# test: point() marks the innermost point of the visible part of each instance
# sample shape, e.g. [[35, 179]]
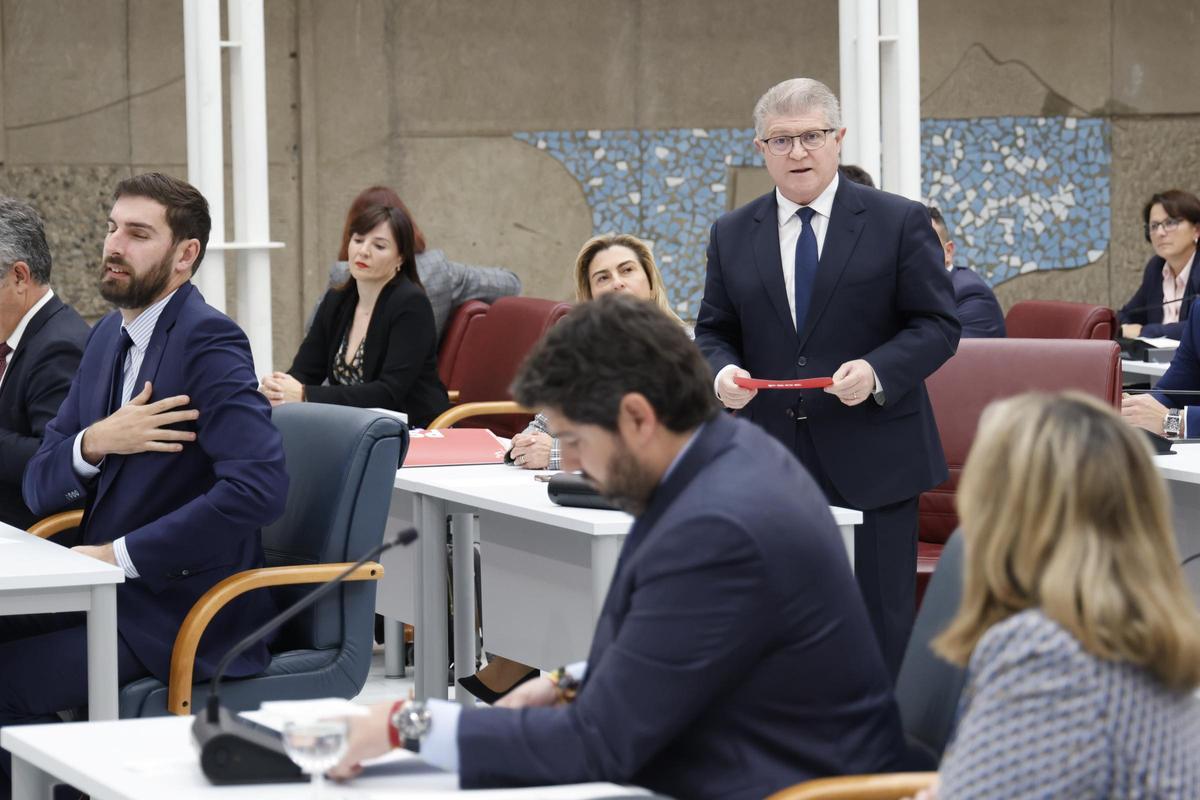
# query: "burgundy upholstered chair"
[[1057, 319]]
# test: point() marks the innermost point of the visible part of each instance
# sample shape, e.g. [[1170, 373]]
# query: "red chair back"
[[461, 319], [1057, 319]]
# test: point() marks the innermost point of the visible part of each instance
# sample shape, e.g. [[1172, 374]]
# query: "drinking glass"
[[316, 745]]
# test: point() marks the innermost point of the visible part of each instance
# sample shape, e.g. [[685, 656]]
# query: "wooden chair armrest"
[[450, 416], [453, 394], [56, 523], [859, 787], [183, 654]]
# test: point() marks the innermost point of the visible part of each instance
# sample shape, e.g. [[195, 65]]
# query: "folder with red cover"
[[453, 447]]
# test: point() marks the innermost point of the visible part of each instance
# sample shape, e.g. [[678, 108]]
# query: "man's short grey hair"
[[794, 97], [23, 238]]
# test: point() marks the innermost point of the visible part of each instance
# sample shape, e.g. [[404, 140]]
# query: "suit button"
[[791, 413], [185, 572], [801, 361]]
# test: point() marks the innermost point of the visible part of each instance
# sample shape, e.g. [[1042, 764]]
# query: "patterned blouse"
[[348, 374], [1043, 718]]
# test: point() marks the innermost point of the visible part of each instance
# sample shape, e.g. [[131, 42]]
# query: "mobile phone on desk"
[[543, 477]]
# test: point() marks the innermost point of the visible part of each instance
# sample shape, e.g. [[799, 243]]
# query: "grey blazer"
[[447, 283]]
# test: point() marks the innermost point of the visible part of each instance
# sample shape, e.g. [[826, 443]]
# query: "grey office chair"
[[342, 464]]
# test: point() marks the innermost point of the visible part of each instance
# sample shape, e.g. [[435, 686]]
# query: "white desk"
[[40, 577], [1182, 472], [546, 568], [1141, 370], [152, 759]]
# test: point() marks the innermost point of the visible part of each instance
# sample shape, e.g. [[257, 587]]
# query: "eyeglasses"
[[809, 140], [1168, 225]]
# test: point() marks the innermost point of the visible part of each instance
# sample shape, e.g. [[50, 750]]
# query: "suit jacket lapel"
[[31, 330], [846, 222], [766, 258], [148, 372]]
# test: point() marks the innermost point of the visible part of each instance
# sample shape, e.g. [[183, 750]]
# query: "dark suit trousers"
[[43, 670], [885, 558]]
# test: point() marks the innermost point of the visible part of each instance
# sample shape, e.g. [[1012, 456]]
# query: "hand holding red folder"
[[801, 383]]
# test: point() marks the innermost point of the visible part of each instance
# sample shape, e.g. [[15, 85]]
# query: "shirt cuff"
[[717, 380], [123, 560], [877, 392], [577, 670], [82, 468], [555, 457], [439, 748]]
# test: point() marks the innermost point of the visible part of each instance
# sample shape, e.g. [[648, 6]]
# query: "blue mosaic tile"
[[1021, 193]]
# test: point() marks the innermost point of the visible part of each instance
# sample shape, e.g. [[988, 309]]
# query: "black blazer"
[[399, 354], [1145, 307], [35, 383], [978, 310], [732, 657], [882, 294]]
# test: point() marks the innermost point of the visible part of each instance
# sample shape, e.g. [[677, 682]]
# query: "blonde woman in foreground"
[[1081, 639]]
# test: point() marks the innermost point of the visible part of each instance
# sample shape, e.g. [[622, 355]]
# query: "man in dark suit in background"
[[823, 277], [41, 341], [732, 656], [167, 440], [978, 309]]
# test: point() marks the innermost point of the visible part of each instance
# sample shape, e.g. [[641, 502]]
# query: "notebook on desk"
[[452, 447]]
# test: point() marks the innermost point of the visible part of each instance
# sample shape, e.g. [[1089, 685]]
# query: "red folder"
[[453, 447], [802, 383]]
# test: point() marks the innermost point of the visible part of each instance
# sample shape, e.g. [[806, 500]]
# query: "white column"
[[866, 101], [251, 192], [205, 134], [900, 78], [848, 78]]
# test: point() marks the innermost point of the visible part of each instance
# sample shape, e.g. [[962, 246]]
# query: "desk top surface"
[[1182, 466], [27, 562], [1158, 368], [508, 490], [149, 759]]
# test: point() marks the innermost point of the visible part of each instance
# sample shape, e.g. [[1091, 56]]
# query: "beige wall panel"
[[703, 65], [1149, 155], [283, 134], [157, 103], [981, 87], [1065, 45], [65, 83], [1088, 284], [461, 67], [1153, 46]]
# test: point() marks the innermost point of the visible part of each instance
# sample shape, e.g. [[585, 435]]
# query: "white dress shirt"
[[15, 338], [140, 330]]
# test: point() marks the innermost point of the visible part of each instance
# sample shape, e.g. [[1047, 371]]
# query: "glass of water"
[[316, 745]]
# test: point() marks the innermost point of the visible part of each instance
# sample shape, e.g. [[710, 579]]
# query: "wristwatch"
[[1172, 423], [565, 684], [408, 723]]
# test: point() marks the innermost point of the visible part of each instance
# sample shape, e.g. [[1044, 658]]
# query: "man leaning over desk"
[[1175, 416], [733, 655]]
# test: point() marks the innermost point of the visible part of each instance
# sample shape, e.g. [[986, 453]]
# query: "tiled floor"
[[379, 688]]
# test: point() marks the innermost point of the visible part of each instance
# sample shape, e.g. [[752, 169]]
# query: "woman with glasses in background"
[[1169, 282]]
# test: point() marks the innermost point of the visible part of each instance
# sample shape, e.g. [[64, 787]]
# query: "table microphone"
[[234, 751]]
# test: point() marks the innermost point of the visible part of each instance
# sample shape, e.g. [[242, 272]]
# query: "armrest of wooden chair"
[[56, 523], [183, 655], [451, 416], [892, 786]]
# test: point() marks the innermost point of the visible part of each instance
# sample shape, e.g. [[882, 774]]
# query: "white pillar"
[[251, 192], [900, 77], [866, 101], [848, 78], [205, 134]]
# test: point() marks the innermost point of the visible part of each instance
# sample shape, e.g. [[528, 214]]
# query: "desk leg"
[[30, 782], [462, 537], [431, 658], [393, 648], [102, 653], [847, 532]]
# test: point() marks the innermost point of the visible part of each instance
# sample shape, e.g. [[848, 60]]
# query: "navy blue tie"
[[806, 266], [117, 387]]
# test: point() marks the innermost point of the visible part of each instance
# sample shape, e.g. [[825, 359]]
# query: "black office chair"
[[342, 464]]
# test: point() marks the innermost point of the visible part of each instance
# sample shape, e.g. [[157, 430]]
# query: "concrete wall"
[[428, 96]]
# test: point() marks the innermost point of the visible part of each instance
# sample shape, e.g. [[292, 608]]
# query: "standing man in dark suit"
[[978, 309], [823, 277], [41, 341], [166, 439], [732, 656]]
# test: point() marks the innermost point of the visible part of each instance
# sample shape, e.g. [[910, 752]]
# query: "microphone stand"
[[234, 751]]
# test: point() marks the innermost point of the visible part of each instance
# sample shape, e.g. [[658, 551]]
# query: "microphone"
[[233, 750], [1188, 297]]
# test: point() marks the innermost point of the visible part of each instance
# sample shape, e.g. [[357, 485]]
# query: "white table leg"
[[847, 532], [462, 538], [30, 782], [431, 658], [102, 653], [393, 648]]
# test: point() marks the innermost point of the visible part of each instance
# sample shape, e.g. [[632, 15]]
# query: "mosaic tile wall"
[[1022, 193]]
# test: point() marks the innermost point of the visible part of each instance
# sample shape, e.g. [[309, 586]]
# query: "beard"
[[629, 485], [140, 290]]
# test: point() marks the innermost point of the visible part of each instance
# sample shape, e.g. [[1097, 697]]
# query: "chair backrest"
[[341, 462], [984, 370], [1057, 319], [928, 688], [492, 350], [461, 319]]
